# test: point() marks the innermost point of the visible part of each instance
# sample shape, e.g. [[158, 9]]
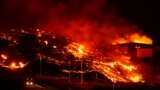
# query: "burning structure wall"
[[138, 50]]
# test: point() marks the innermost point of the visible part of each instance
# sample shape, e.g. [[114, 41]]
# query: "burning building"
[[136, 45], [138, 51]]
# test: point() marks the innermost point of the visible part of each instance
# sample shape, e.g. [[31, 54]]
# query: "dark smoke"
[[94, 22], [87, 21]]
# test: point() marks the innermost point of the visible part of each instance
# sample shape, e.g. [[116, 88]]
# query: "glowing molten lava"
[[88, 23], [78, 50], [3, 56], [15, 66], [136, 38], [120, 70]]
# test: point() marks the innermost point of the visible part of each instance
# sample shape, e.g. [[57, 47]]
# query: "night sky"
[[145, 13], [18, 14]]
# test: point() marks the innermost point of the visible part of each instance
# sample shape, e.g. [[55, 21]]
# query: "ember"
[[78, 50]]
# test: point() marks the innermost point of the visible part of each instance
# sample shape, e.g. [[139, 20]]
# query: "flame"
[[78, 50], [136, 38], [15, 65], [22, 65], [46, 42], [3, 56], [135, 77]]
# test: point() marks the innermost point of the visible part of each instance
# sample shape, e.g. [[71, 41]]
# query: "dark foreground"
[[18, 83]]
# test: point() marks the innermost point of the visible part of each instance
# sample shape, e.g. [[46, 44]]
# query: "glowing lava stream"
[[120, 69], [78, 50], [117, 71]]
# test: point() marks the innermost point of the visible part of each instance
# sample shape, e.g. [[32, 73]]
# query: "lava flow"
[[118, 69], [78, 50], [15, 66]]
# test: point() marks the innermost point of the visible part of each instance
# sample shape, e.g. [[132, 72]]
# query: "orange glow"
[[21, 65], [135, 77], [120, 41], [136, 38], [13, 65], [54, 46], [39, 34], [4, 56], [46, 42], [78, 50], [119, 70], [100, 31], [137, 47]]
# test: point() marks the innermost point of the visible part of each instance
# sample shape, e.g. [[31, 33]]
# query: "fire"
[[78, 50], [46, 42], [135, 77], [140, 39], [21, 64], [136, 38], [15, 65], [4, 56], [118, 70], [80, 21]]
